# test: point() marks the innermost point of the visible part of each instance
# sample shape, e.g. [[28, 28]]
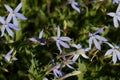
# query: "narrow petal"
[[58, 31], [58, 46], [118, 8], [9, 18], [13, 26], [8, 8], [98, 31], [115, 22], [118, 54], [74, 7], [65, 38], [33, 39], [55, 73], [40, 34], [14, 58], [55, 38], [9, 32], [10, 52], [114, 58], [15, 22], [97, 44], [109, 52], [109, 44], [64, 44], [2, 20], [69, 66], [85, 56], [90, 42], [112, 14], [75, 57], [18, 7], [20, 16], [3, 30], [76, 46], [100, 38]]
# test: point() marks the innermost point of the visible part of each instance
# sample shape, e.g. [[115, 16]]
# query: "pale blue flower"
[[60, 40], [94, 38], [116, 1], [74, 5], [56, 71], [39, 39], [80, 51], [6, 25], [114, 51], [8, 56], [45, 78], [14, 13], [116, 16]]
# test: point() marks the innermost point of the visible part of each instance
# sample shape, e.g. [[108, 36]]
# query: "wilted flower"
[[39, 39], [116, 1], [14, 13], [7, 25], [116, 16], [60, 40], [94, 37], [80, 51], [114, 51], [74, 5], [8, 56]]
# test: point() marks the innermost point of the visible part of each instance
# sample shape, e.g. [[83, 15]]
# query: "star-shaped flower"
[[8, 56], [80, 51], [116, 1], [74, 5], [39, 39], [114, 51], [116, 16], [14, 13], [94, 37], [60, 40], [6, 25]]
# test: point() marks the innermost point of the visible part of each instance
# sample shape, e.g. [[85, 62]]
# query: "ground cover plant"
[[59, 40]]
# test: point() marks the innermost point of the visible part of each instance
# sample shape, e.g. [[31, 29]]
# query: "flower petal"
[[21, 16], [118, 54], [85, 56], [118, 9], [8, 8], [15, 22], [3, 30], [74, 7], [90, 43], [58, 46], [33, 39], [114, 58], [110, 51], [2, 20], [65, 38], [64, 44], [58, 31], [112, 14], [9, 32], [40, 34], [98, 31], [100, 38], [18, 7], [9, 18], [75, 57], [115, 22], [13, 26], [97, 44]]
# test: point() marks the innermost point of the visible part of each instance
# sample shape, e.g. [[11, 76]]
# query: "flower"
[[8, 56], [14, 13], [7, 25], [94, 37], [116, 16], [114, 51], [116, 1], [80, 51], [74, 5], [39, 39], [56, 71], [60, 40]]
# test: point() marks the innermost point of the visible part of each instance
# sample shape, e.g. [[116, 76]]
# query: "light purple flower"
[[114, 51], [6, 25], [94, 38], [116, 1], [8, 56], [14, 13], [60, 40], [116, 16], [56, 71], [39, 39], [80, 51], [74, 5]]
